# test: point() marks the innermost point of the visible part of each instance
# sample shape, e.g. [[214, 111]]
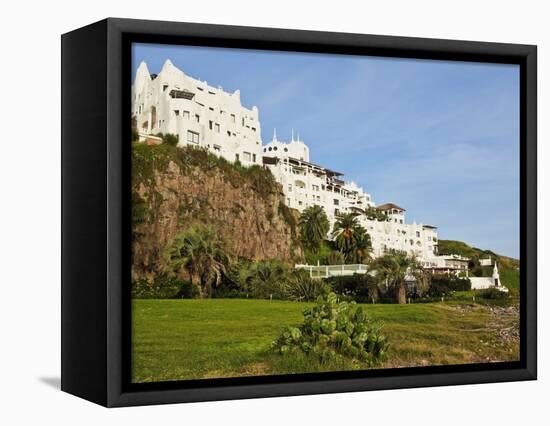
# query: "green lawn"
[[192, 339]]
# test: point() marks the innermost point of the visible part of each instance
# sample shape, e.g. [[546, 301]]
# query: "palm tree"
[[263, 278], [392, 269], [351, 238], [198, 252], [314, 226]]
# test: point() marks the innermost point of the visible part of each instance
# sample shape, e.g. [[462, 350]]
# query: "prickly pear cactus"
[[333, 329]]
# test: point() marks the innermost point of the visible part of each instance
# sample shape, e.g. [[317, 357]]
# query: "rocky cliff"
[[173, 188]]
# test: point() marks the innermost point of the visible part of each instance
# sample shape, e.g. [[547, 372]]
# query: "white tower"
[[496, 275]]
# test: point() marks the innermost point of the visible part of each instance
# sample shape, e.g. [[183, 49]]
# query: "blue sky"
[[439, 138]]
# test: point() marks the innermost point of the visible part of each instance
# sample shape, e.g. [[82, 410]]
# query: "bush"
[[334, 330], [492, 293], [335, 258], [163, 287], [170, 139], [263, 279], [444, 285], [362, 288], [301, 288]]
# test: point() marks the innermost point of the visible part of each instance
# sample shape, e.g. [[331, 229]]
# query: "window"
[[200, 88], [336, 202], [192, 137], [177, 112], [211, 109], [289, 187], [253, 158], [197, 118], [286, 149], [236, 157], [242, 121], [400, 220], [253, 129], [186, 114], [418, 234], [228, 133], [217, 148], [210, 124], [429, 238], [274, 148], [217, 128], [270, 148], [211, 93], [164, 87], [233, 118], [246, 156]]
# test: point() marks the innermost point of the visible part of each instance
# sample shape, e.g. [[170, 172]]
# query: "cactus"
[[332, 330]]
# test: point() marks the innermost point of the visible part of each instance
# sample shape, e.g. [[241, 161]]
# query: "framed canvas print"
[[253, 212]]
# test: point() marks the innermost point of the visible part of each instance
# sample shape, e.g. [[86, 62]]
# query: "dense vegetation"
[[148, 159]]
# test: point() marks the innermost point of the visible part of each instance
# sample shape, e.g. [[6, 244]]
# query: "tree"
[[372, 213], [392, 269], [264, 278], [351, 238], [198, 252], [314, 226]]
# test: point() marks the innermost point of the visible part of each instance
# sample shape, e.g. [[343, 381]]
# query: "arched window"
[[153, 117]]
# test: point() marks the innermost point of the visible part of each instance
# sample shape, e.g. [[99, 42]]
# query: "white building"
[[417, 240], [199, 114], [306, 184], [205, 116], [481, 283]]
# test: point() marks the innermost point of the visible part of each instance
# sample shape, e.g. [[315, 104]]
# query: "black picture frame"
[[95, 211]]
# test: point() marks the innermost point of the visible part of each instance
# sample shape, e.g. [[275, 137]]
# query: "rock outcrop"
[[174, 188]]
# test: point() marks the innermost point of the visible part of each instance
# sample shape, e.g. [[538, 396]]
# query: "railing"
[[325, 271]]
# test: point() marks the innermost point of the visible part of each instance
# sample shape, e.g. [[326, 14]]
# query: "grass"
[[194, 339]]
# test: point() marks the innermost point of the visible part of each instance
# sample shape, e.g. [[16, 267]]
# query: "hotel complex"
[[206, 116], [199, 114]]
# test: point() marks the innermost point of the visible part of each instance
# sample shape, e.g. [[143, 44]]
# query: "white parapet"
[[326, 271]]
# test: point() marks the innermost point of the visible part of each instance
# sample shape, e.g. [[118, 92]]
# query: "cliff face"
[[174, 188]]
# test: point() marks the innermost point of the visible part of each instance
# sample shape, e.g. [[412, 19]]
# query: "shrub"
[[333, 330], [492, 293], [301, 288], [442, 285], [140, 209], [263, 279], [135, 135], [163, 287], [335, 258], [359, 287], [170, 139]]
